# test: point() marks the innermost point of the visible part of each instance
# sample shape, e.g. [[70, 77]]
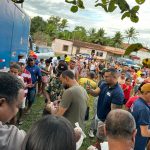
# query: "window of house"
[[93, 52], [65, 48], [99, 54]]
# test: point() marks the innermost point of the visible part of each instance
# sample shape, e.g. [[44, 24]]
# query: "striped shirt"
[[27, 79]]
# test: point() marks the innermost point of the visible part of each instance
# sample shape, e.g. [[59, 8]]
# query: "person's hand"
[[48, 107], [101, 130], [88, 88], [78, 133], [92, 148], [56, 102]]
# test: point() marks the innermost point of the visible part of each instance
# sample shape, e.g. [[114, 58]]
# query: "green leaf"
[[133, 48], [104, 2], [126, 14], [80, 4], [72, 2], [140, 1], [123, 5], [135, 9], [102, 5], [112, 6], [74, 8], [134, 18]]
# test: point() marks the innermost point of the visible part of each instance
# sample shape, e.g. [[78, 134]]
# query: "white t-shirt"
[[140, 80], [92, 67]]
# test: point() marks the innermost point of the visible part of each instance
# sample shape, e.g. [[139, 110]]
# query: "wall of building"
[[142, 55], [58, 45], [82, 50], [88, 51]]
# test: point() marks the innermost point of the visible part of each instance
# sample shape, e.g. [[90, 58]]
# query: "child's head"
[[128, 81], [123, 74], [42, 60], [47, 62], [15, 69], [51, 132]]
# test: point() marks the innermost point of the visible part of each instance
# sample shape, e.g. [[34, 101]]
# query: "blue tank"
[[14, 33]]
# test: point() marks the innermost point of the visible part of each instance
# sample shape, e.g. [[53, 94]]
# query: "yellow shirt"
[[84, 82], [139, 73]]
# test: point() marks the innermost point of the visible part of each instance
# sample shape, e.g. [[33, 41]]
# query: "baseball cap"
[[35, 56], [145, 87], [30, 59], [23, 61], [67, 59], [62, 66]]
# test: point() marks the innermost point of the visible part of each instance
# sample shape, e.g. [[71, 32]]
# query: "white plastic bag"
[[80, 141]]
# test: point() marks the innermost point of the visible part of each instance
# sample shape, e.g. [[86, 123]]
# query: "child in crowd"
[[25, 74], [15, 69], [122, 78], [46, 71], [127, 89]]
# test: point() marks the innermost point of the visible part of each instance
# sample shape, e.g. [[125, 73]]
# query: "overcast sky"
[[92, 17]]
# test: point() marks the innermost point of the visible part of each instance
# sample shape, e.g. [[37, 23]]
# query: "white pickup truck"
[[45, 52]]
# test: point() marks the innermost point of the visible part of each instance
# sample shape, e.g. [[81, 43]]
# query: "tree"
[[131, 34], [37, 24], [63, 24], [79, 33], [91, 33], [66, 35], [42, 37], [110, 6], [59, 23], [55, 27], [99, 37], [117, 39]]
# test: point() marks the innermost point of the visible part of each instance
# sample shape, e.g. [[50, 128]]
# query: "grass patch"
[[36, 114]]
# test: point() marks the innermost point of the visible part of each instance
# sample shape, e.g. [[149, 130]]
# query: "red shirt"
[[27, 78], [127, 90], [131, 101]]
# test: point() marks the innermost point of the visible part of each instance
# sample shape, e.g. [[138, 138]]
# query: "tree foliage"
[[131, 34], [133, 48], [110, 5], [56, 27]]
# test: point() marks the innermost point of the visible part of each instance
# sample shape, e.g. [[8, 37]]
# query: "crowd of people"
[[72, 88]]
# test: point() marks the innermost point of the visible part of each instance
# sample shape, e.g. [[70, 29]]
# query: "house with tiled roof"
[[76, 47]]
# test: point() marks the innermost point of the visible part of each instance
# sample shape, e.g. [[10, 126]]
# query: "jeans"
[[31, 96], [94, 122]]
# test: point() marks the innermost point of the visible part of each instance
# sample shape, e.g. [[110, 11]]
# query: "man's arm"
[[95, 92], [77, 76], [144, 121], [39, 74], [60, 111], [145, 131], [55, 109], [114, 106], [117, 100]]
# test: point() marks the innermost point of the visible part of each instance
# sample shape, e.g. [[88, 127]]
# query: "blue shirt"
[[108, 95], [35, 73], [141, 112]]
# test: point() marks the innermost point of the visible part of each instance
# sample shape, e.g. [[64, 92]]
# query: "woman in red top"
[[127, 88]]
